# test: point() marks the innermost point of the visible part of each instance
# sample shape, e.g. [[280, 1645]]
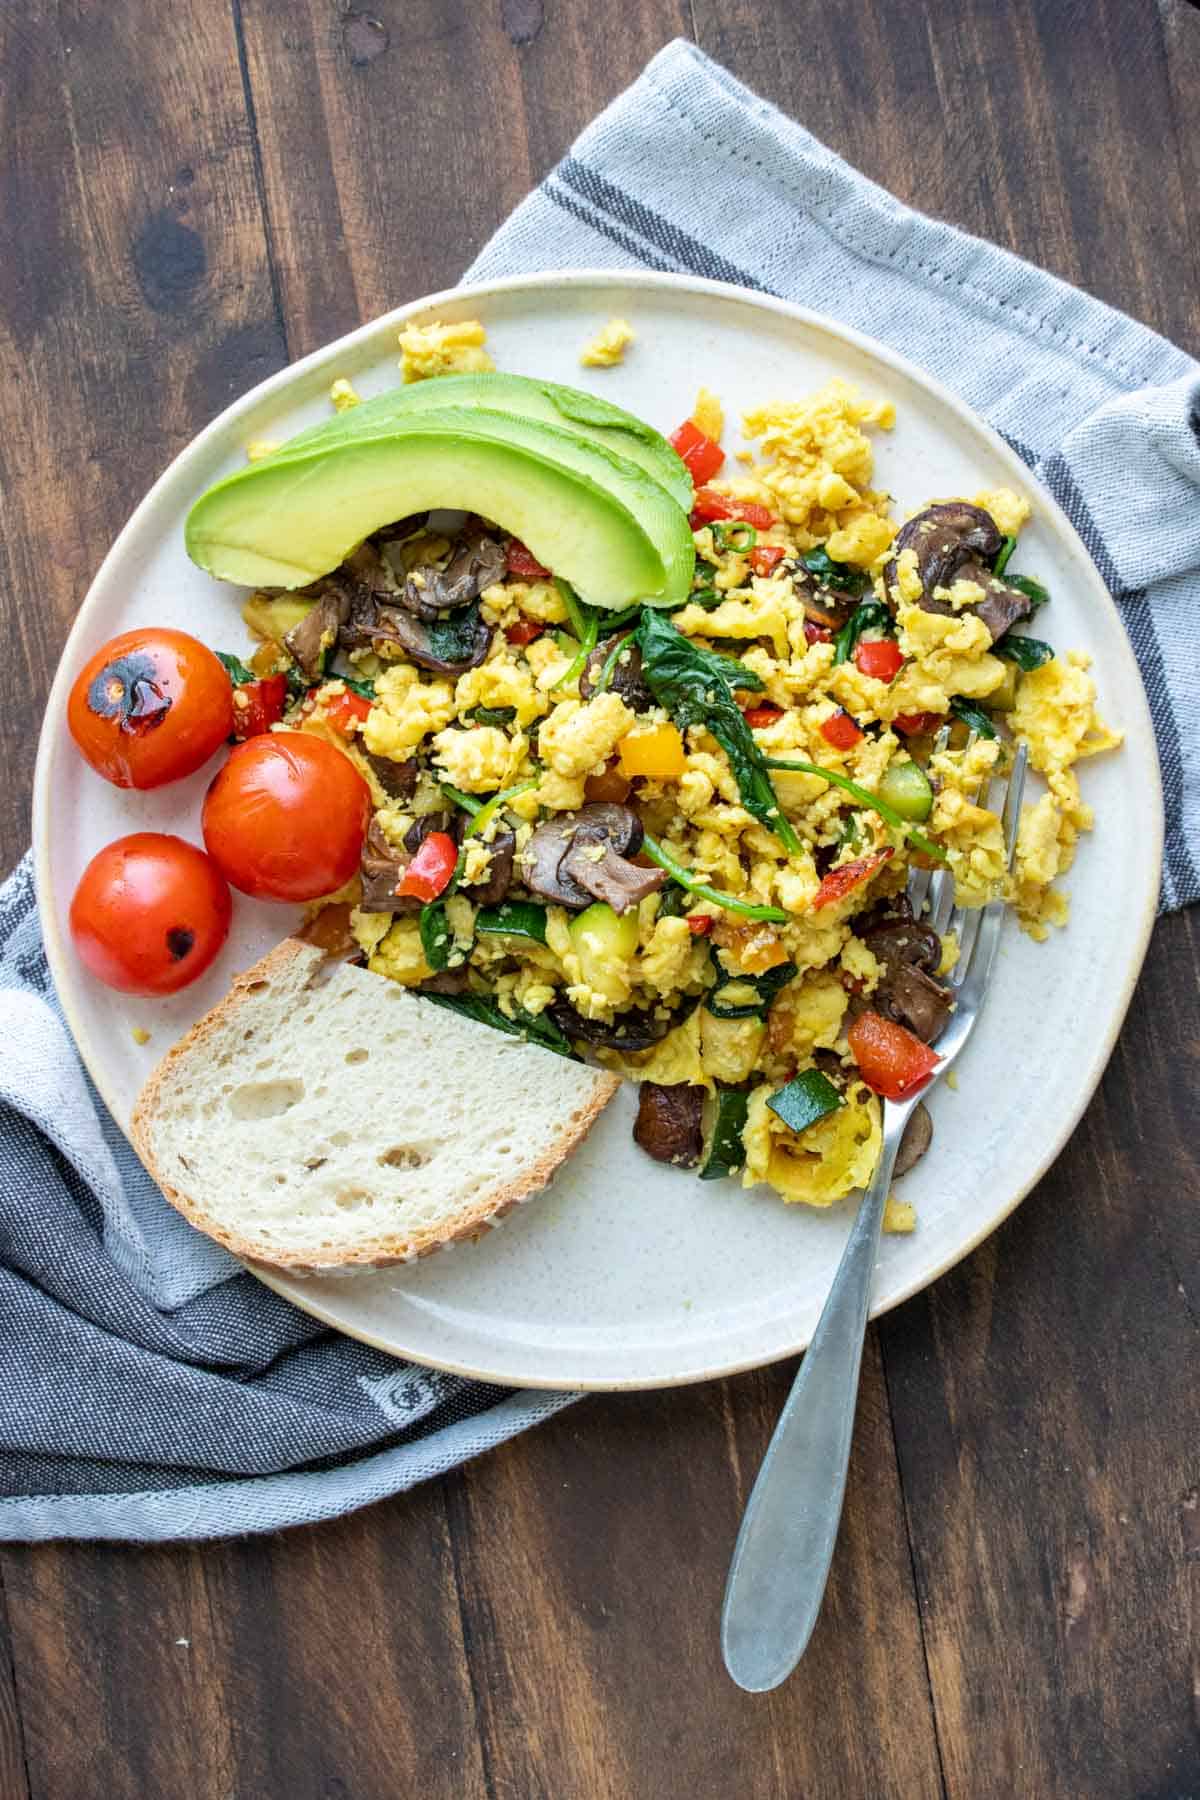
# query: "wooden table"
[[195, 194]]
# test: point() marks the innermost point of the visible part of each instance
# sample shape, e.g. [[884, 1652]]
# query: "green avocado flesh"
[[597, 520], [570, 409]]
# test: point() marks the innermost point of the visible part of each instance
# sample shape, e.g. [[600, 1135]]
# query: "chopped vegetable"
[[916, 724], [701, 454], [430, 870], [257, 705], [762, 715], [604, 942], [694, 686], [738, 535], [890, 1059], [881, 658], [832, 574], [816, 634], [905, 787], [673, 901], [726, 1154], [864, 797], [610, 785], [238, 673], [972, 716], [537, 1030], [811, 1096], [869, 615], [437, 940], [492, 715], [699, 924], [512, 918], [708, 506], [703, 891], [1027, 652], [840, 730], [657, 754], [483, 815], [1032, 590], [523, 631], [764, 557], [1003, 554], [727, 1001], [345, 711], [585, 623], [522, 563], [843, 880]]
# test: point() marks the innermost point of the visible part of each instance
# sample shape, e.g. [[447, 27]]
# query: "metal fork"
[[785, 1545]]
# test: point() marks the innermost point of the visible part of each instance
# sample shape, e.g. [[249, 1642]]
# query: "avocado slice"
[[570, 409], [595, 519]]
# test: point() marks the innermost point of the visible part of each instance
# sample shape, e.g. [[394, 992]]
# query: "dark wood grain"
[[189, 196]]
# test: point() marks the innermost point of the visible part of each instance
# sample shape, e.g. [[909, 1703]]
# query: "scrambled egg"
[[517, 719], [609, 345]]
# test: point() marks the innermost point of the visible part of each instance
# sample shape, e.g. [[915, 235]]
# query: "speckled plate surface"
[[626, 1273]]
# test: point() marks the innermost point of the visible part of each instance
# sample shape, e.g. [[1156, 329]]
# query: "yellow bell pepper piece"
[[657, 753]]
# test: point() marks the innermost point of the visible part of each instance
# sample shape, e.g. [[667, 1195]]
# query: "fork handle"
[[785, 1545]]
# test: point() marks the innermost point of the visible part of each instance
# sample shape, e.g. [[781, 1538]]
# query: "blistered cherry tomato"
[[150, 707], [286, 817], [150, 913]]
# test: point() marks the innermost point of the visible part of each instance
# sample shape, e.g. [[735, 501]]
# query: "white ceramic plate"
[[626, 1273]]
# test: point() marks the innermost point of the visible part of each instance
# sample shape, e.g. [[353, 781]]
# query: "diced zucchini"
[[603, 941], [725, 1120], [805, 1100]]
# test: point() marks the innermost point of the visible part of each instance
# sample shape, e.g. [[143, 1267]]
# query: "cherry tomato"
[[523, 563], [843, 880], [286, 817], [765, 713], [763, 557], [709, 505], [917, 724], [150, 707], [840, 730], [890, 1059], [702, 454], [150, 913], [524, 631], [430, 870], [257, 705], [880, 657], [346, 710]]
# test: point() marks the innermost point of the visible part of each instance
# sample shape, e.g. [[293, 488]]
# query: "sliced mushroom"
[[477, 563], [421, 828], [381, 870], [826, 606], [670, 1123], [447, 646], [910, 952], [499, 878], [639, 1028], [625, 677], [894, 936], [308, 642], [397, 779], [583, 856], [958, 542], [446, 981], [918, 1135], [915, 1000]]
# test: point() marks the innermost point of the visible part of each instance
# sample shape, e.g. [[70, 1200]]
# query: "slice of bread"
[[322, 1117]]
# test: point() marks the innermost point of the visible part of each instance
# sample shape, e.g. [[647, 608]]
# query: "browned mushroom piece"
[[827, 606], [308, 642], [952, 542], [499, 878], [476, 564], [625, 676], [638, 1028], [397, 779], [670, 1123], [381, 869], [910, 952], [918, 1135], [446, 981], [583, 856]]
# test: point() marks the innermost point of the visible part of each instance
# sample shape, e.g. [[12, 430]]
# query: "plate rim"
[[58, 954]]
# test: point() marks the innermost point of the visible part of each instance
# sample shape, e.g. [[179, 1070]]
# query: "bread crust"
[[378, 1253]]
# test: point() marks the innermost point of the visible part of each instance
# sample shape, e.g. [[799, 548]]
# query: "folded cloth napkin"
[[151, 1389]]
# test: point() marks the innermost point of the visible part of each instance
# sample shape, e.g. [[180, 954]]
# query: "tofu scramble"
[[584, 828]]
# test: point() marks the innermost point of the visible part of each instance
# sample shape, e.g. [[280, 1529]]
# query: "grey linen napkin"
[[152, 1390]]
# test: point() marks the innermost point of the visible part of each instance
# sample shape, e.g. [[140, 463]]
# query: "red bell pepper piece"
[[699, 924], [345, 710], [257, 705], [890, 1059], [763, 557], [916, 724], [817, 634], [765, 713], [524, 631], [522, 563], [709, 505], [880, 657], [840, 730], [430, 870], [840, 882], [702, 454]]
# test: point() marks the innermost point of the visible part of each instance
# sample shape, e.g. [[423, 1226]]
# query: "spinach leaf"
[[453, 638], [512, 918], [536, 1030], [972, 715], [869, 615], [818, 562], [437, 940], [696, 687], [236, 670], [365, 689], [1005, 551], [1027, 652], [765, 989], [493, 715], [1033, 590], [673, 901]]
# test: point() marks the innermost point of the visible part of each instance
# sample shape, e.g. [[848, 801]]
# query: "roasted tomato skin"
[[150, 913], [150, 707], [286, 817]]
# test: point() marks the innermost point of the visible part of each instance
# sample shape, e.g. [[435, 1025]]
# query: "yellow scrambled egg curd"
[[609, 345], [428, 350]]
